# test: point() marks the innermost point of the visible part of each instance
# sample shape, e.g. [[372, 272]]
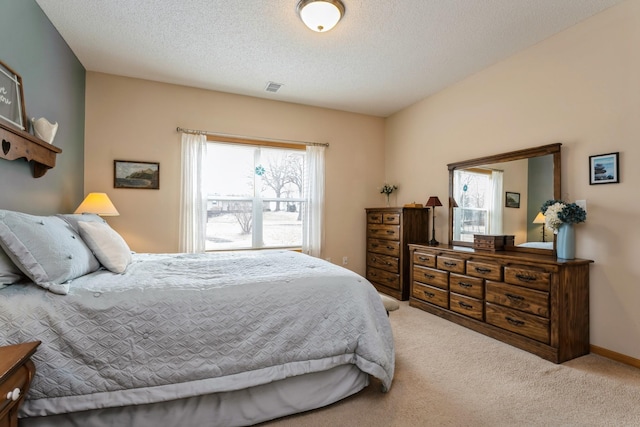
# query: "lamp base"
[[433, 242]]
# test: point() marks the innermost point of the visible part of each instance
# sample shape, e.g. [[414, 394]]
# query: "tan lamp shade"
[[97, 203], [539, 219]]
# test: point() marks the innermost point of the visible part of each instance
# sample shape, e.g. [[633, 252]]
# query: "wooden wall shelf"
[[17, 144]]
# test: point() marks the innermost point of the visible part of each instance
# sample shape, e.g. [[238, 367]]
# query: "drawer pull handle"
[[390, 248], [483, 270], [515, 298], [450, 264], [391, 232], [429, 276], [525, 277], [390, 279], [390, 264], [514, 322], [465, 285], [14, 394], [429, 294], [373, 274], [390, 218], [422, 258], [374, 245], [465, 305], [375, 217]]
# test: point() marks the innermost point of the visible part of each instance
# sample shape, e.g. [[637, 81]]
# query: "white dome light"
[[320, 15]]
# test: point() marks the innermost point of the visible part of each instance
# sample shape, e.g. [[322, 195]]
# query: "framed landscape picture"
[[604, 169], [512, 200], [132, 174]]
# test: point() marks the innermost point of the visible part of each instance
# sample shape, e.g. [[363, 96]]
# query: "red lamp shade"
[[433, 201]]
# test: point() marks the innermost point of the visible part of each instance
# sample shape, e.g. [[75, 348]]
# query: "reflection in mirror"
[[478, 187]]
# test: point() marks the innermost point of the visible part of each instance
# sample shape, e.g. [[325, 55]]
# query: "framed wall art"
[[12, 98], [604, 169], [134, 174], [512, 200]]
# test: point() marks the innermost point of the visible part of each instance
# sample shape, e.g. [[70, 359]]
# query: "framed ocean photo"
[[604, 169], [133, 174]]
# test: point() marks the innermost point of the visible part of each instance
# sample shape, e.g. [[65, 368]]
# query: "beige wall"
[[130, 119], [580, 87]]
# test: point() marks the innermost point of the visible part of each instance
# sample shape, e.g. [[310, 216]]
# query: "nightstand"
[[16, 373]]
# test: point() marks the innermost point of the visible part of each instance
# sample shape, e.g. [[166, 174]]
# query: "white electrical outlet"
[[345, 260]]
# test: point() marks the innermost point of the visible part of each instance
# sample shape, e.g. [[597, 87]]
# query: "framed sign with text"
[[11, 98]]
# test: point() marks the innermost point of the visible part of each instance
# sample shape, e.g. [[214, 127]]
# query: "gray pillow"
[[46, 249], [74, 219], [9, 273]]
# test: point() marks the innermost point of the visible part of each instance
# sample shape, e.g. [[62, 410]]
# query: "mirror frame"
[[543, 150]]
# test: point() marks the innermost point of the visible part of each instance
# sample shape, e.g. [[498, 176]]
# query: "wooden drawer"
[[19, 379], [430, 294], [527, 277], [465, 285], [421, 258], [431, 277], [484, 270], [385, 247], [374, 218], [471, 307], [385, 278], [391, 218], [384, 262], [387, 232], [528, 325], [455, 265], [529, 300]]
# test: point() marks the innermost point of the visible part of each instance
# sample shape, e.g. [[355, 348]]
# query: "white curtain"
[[193, 200], [313, 235], [497, 202]]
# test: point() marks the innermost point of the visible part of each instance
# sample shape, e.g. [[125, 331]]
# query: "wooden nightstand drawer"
[[391, 219], [529, 300], [527, 277], [484, 270], [385, 247], [430, 294], [431, 277], [386, 232], [465, 285], [471, 307], [384, 262], [385, 278], [454, 265], [16, 372], [421, 258], [516, 321], [374, 217]]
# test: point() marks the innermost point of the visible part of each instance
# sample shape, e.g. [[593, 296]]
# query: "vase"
[[44, 129], [566, 242], [388, 202]]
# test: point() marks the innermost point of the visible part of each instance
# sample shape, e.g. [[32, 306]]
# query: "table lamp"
[[539, 219], [97, 203], [432, 203]]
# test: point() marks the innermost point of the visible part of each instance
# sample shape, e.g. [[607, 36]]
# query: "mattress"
[[176, 326]]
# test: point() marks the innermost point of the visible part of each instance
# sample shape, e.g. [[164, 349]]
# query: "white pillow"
[[107, 245]]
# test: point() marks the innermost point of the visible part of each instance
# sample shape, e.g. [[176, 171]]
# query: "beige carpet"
[[447, 375]]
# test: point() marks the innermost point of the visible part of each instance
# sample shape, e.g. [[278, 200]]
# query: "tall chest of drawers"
[[534, 302], [389, 230]]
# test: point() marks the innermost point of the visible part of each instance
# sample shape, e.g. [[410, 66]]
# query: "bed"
[[233, 338]]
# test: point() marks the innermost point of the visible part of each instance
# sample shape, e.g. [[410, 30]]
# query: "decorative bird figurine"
[[44, 130]]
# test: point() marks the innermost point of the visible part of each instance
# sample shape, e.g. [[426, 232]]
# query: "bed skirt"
[[235, 408]]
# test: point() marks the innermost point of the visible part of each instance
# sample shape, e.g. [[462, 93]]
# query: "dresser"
[[534, 302], [16, 373], [389, 230]]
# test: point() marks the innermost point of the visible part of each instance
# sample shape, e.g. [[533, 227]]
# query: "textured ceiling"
[[383, 56]]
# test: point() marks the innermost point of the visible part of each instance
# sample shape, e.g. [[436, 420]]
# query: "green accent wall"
[[54, 88]]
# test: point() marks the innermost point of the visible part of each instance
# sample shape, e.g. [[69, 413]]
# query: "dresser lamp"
[[99, 204], [539, 219], [432, 203]]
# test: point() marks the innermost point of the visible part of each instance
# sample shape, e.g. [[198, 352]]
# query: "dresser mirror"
[[502, 195]]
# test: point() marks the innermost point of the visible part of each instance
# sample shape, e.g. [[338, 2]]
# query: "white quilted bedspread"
[[178, 325]]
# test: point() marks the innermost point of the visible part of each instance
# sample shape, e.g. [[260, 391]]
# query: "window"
[[479, 200], [254, 196]]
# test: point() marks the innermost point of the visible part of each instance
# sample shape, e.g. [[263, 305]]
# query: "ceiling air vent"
[[273, 87]]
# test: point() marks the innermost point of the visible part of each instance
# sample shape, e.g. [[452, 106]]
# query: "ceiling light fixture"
[[320, 15]]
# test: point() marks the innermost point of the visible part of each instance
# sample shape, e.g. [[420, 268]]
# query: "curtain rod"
[[226, 135]]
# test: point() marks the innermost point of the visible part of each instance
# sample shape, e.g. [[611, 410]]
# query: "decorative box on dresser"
[[389, 231], [537, 303], [16, 373]]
